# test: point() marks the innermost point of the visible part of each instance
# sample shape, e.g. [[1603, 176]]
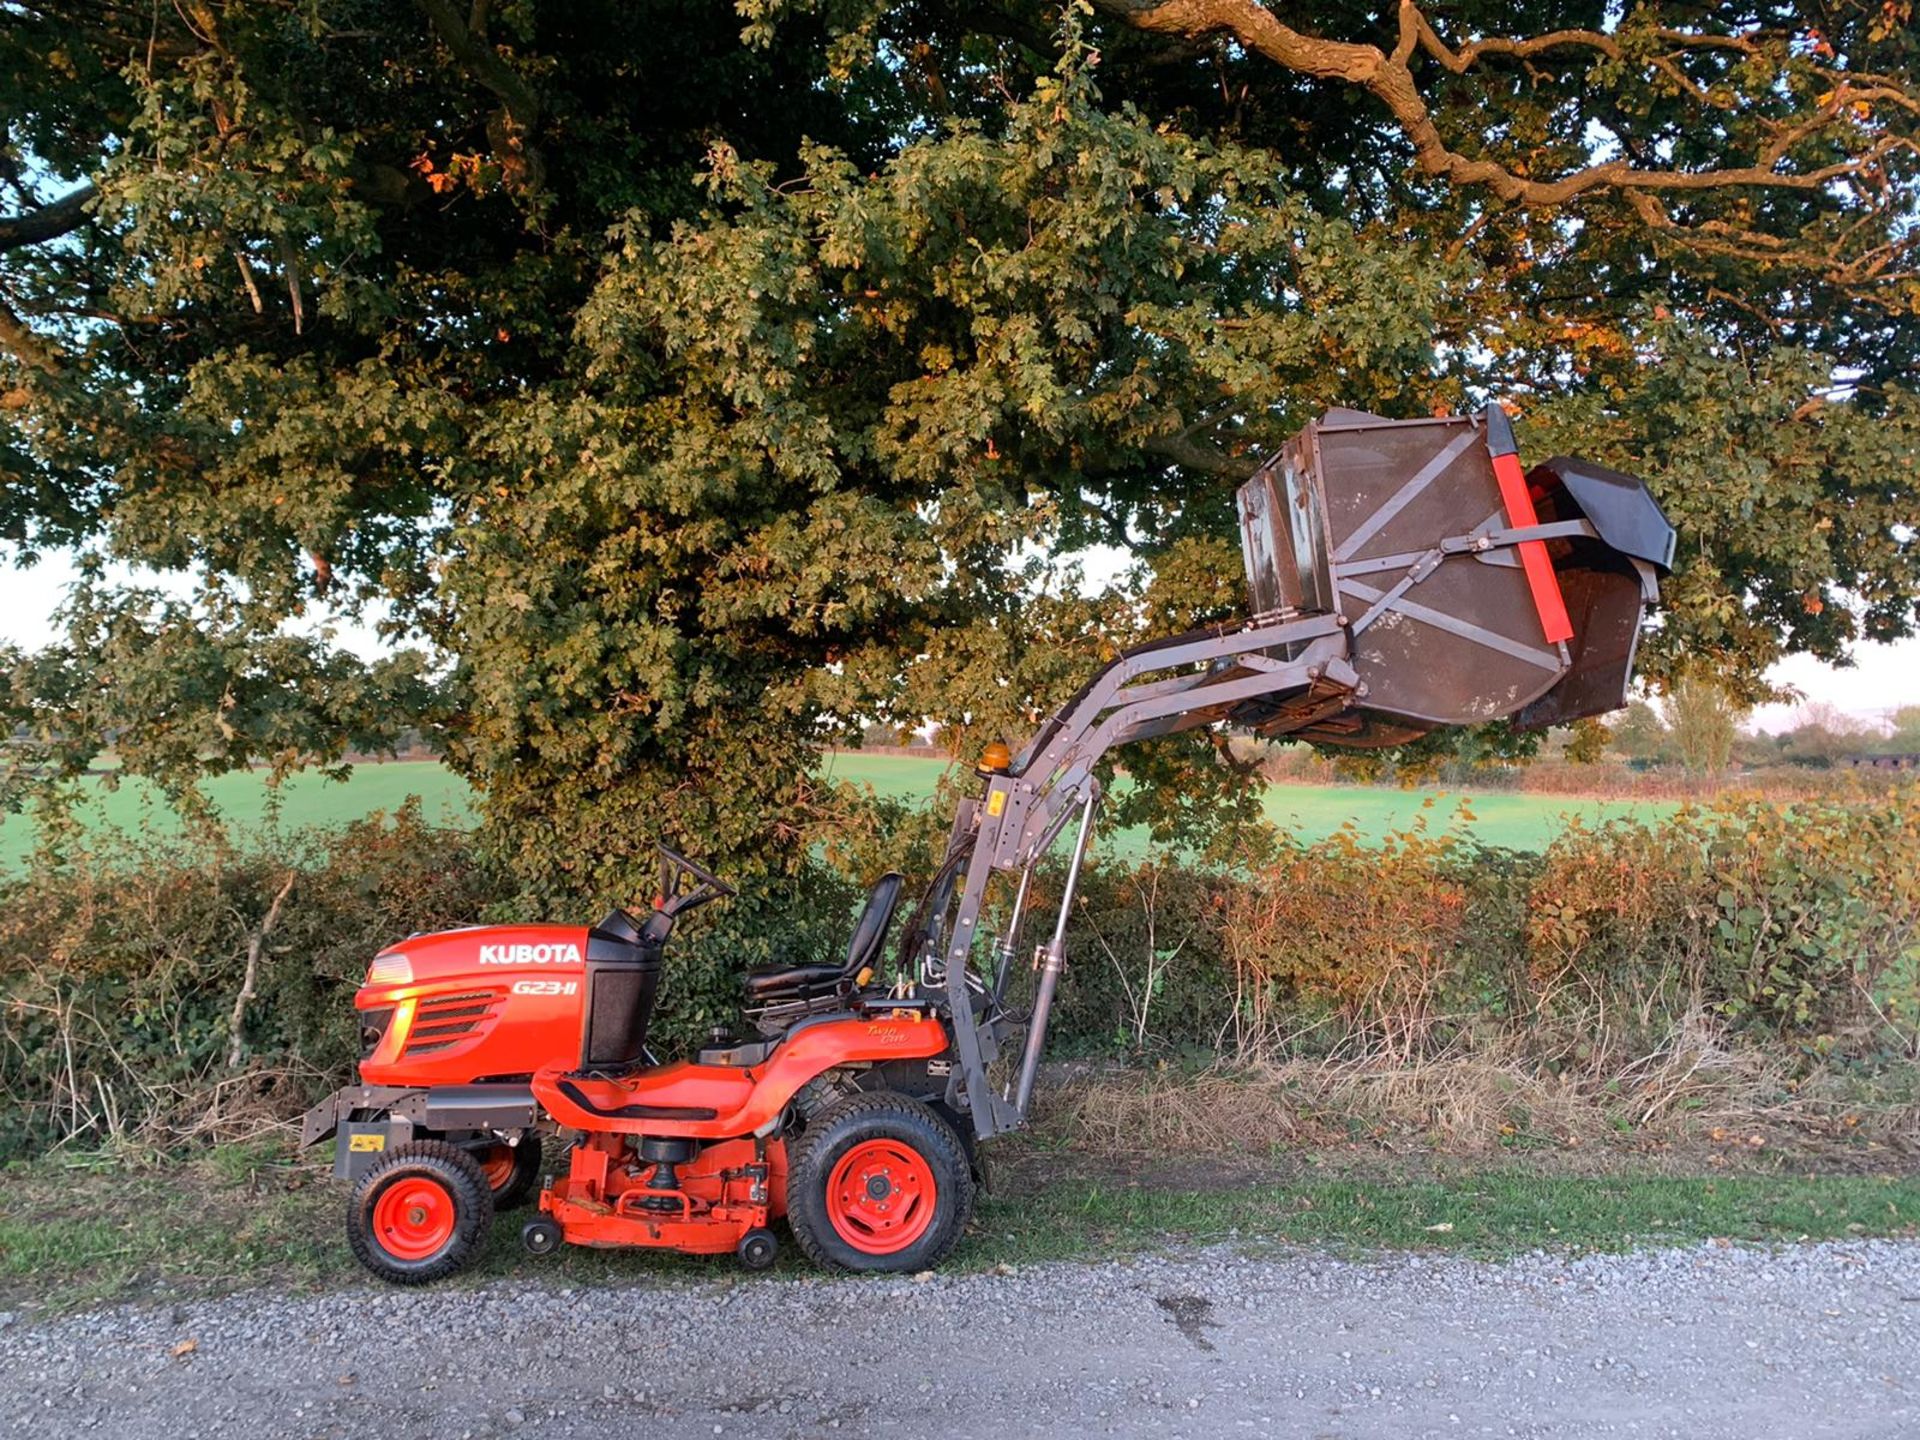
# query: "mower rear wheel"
[[879, 1182], [420, 1214], [512, 1171]]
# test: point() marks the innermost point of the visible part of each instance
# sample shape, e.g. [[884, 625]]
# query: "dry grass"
[[1697, 1096], [1216, 1112]]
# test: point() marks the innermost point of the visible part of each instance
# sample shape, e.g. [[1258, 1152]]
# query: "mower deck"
[[725, 1193]]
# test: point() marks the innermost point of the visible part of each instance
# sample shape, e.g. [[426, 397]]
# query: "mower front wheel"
[[758, 1249], [879, 1182], [420, 1214]]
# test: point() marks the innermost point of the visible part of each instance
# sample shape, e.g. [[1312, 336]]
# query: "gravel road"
[[1807, 1341]]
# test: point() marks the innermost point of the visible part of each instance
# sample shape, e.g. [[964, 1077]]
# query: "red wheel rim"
[[413, 1218], [881, 1197], [496, 1163]]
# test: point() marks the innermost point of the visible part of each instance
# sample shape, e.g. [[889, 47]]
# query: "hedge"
[[1792, 926]]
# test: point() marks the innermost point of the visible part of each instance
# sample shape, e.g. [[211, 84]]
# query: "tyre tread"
[[524, 1184]]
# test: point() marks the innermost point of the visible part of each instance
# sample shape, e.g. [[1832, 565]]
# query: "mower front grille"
[[448, 1020]]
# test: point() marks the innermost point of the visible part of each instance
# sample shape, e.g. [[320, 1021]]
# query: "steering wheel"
[[676, 896]]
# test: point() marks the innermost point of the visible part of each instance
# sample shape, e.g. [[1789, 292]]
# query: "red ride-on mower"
[[1403, 575], [693, 1156]]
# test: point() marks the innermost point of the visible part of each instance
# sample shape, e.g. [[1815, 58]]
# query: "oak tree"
[[681, 389]]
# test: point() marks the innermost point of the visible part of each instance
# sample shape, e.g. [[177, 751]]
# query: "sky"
[[1882, 679]]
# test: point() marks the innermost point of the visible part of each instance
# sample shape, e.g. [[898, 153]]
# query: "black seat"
[[808, 982]]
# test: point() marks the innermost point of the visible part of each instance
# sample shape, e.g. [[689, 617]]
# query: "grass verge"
[[1483, 1214], [78, 1231]]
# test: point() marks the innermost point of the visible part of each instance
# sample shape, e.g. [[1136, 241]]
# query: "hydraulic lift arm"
[[1521, 612], [1052, 782]]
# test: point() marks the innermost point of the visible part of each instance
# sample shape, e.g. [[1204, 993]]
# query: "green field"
[[1312, 812], [247, 800]]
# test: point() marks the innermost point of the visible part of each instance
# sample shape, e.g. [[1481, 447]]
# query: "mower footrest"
[[635, 1112]]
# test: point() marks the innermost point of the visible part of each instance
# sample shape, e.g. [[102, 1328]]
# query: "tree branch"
[[17, 336], [520, 106], [484, 63], [49, 222], [1389, 77], [256, 943], [1204, 458]]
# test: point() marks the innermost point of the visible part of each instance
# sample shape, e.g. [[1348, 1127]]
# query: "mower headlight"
[[391, 968], [373, 1029]]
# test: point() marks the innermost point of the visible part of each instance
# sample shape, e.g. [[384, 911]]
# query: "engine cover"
[[486, 1003]]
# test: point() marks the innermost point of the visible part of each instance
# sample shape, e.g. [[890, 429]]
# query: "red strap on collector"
[[1518, 500]]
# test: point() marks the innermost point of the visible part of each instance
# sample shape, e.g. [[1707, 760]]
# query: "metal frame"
[[1052, 781], [1160, 688], [440, 1108]]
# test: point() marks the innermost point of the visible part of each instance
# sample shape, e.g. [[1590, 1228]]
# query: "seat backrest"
[[871, 933]]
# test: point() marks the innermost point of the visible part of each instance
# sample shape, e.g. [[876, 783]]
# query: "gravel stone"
[[1713, 1342]]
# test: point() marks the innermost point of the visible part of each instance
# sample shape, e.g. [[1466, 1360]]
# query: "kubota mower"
[[1403, 575]]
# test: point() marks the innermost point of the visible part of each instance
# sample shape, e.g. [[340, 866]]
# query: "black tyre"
[[420, 1214], [758, 1249], [541, 1236], [512, 1171], [878, 1182]]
